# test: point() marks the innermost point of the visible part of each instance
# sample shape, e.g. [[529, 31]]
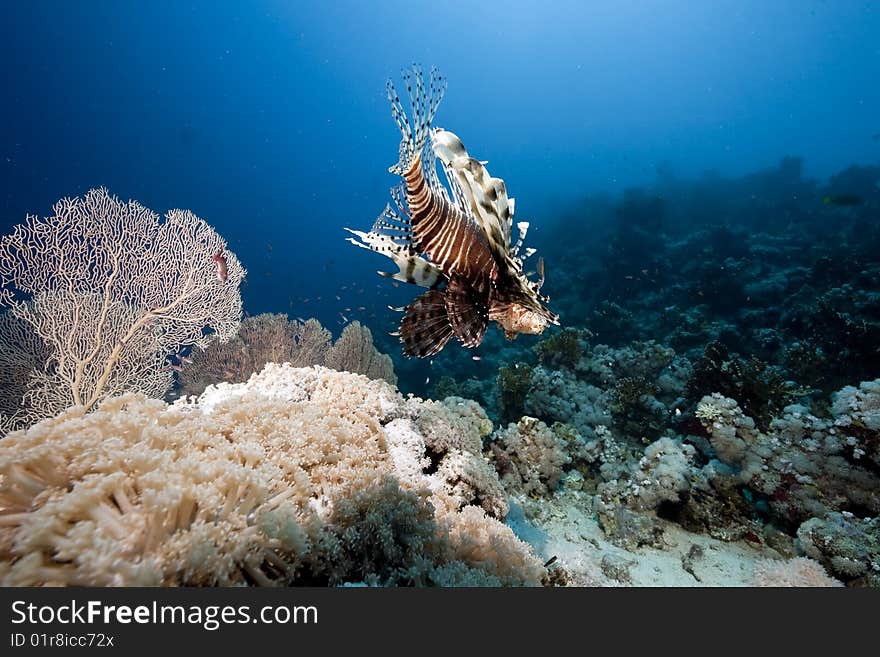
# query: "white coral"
[[297, 474], [664, 473]]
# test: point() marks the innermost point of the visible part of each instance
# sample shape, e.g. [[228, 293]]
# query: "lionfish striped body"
[[455, 242]]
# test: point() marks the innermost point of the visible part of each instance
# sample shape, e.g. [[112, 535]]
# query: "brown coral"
[[273, 338]]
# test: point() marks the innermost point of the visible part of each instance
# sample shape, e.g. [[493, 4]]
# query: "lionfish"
[[455, 241]]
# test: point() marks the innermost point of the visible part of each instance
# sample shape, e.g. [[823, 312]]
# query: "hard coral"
[[297, 476], [849, 547], [760, 389], [529, 457]]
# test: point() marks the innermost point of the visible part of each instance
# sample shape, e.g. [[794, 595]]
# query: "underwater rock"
[[627, 528]]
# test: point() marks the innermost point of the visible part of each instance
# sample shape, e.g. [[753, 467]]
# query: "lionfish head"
[[517, 319]]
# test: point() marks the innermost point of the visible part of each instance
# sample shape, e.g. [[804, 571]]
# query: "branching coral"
[[111, 291], [273, 338], [294, 477]]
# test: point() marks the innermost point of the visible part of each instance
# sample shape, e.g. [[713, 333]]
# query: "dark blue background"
[[268, 119]]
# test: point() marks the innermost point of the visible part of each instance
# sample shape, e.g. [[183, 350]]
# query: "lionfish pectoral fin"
[[415, 270], [390, 237], [425, 328], [468, 312]]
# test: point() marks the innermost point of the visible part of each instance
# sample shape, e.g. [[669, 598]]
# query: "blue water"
[[269, 120]]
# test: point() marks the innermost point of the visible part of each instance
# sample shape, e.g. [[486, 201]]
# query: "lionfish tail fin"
[[424, 99], [425, 328], [468, 313]]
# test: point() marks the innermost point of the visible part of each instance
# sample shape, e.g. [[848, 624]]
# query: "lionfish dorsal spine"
[[414, 132]]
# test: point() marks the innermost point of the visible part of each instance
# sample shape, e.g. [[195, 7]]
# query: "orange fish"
[[220, 263]]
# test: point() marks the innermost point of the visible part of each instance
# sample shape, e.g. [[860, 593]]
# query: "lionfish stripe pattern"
[[457, 243]]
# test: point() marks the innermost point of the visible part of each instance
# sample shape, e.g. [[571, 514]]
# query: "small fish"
[[476, 358], [843, 200], [185, 359], [220, 264], [176, 368], [338, 298], [344, 318], [428, 380]]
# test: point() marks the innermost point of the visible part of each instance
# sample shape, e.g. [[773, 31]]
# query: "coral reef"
[[299, 476], [513, 384], [803, 466], [849, 547], [761, 390]]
